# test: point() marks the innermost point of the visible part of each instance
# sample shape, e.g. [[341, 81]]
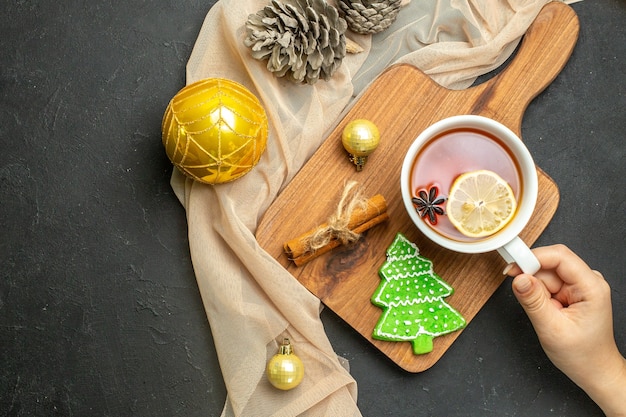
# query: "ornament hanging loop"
[[285, 348], [359, 161]]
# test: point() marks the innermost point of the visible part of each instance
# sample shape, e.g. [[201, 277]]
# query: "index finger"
[[566, 264]]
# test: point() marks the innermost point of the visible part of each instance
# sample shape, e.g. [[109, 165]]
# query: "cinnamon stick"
[[361, 219], [309, 256]]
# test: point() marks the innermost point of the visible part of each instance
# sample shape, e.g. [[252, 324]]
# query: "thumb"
[[532, 296]]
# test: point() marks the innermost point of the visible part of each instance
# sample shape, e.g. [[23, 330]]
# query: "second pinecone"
[[368, 17]]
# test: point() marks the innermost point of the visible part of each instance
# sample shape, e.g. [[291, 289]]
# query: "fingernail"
[[522, 284], [507, 269]]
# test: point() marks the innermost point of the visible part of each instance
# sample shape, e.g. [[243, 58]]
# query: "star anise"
[[428, 202]]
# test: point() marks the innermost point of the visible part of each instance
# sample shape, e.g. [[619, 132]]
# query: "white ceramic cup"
[[505, 241]]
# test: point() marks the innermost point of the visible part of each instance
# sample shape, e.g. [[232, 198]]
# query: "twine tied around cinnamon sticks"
[[353, 216], [337, 226]]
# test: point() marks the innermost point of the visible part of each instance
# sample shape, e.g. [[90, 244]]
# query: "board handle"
[[544, 51]]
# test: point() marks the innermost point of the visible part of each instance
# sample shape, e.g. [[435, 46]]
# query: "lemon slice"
[[480, 203]]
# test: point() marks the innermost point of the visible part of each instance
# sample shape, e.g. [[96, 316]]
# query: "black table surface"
[[100, 314]]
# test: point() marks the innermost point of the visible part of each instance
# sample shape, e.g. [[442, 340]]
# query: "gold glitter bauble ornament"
[[214, 130], [285, 370], [360, 138]]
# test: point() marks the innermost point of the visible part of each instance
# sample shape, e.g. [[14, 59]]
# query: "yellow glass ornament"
[[285, 370], [360, 138], [214, 130]]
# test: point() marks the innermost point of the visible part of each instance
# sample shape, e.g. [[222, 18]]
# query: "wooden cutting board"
[[402, 102]]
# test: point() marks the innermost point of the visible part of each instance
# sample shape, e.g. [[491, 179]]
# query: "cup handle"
[[517, 251]]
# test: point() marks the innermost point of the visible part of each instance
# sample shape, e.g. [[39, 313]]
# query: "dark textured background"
[[100, 314]]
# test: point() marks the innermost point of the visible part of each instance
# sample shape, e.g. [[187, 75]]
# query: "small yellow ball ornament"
[[285, 370], [360, 138], [214, 130]]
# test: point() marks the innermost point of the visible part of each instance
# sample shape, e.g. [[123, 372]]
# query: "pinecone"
[[369, 16], [301, 39]]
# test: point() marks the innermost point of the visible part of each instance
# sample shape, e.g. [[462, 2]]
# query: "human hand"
[[569, 305]]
